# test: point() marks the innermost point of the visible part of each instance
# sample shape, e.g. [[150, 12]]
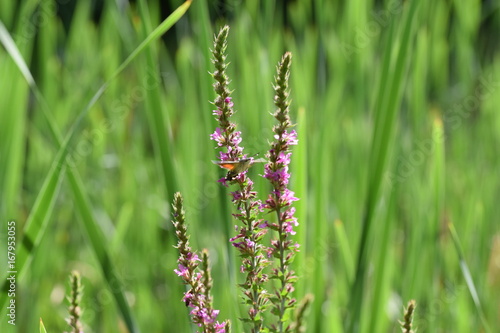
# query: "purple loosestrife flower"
[[252, 230], [198, 298], [281, 198]]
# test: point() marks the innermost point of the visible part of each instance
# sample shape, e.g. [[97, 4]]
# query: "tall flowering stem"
[[198, 296], [281, 198], [252, 230]]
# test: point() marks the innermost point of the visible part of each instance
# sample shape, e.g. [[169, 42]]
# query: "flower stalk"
[[198, 297], [280, 200], [252, 230]]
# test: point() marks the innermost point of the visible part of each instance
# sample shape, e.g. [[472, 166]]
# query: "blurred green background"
[[396, 107]]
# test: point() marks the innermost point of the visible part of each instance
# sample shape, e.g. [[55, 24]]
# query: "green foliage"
[[396, 112]]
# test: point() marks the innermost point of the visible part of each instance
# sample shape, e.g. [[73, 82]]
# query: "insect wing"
[[228, 165]]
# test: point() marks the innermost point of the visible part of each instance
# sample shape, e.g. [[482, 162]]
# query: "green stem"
[[282, 268], [255, 294]]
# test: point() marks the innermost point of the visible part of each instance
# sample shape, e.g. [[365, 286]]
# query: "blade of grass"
[[358, 284], [388, 100], [383, 268], [468, 277], [42, 327], [13, 144], [38, 218], [156, 113], [344, 249], [42, 208]]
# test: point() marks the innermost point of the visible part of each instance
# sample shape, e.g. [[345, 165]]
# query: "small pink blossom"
[[182, 271], [218, 137]]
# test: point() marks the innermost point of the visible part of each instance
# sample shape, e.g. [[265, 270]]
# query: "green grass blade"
[[38, 219], [13, 128], [42, 209], [42, 327], [11, 48], [358, 285], [383, 269], [100, 248], [468, 277], [154, 35], [156, 112], [344, 249], [388, 100]]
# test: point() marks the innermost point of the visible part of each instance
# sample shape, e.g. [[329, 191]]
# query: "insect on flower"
[[237, 167]]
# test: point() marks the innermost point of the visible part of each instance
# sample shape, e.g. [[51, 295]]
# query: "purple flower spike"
[[198, 297], [244, 198], [250, 234], [281, 198]]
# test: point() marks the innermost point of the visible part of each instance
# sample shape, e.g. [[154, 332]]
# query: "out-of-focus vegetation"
[[396, 108]]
